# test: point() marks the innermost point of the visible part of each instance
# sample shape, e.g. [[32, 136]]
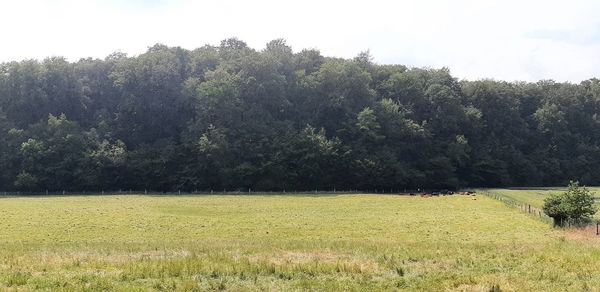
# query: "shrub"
[[576, 205]]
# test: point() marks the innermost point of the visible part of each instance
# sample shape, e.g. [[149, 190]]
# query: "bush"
[[576, 205]]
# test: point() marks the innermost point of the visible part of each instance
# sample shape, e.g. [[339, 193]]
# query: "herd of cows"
[[444, 193]]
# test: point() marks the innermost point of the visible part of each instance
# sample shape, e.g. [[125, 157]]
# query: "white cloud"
[[509, 40]]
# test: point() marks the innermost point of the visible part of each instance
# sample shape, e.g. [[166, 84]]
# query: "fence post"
[[597, 230]]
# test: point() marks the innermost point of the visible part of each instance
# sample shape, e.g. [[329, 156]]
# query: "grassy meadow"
[[295, 242]]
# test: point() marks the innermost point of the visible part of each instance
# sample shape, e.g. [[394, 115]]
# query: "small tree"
[[575, 205], [555, 207]]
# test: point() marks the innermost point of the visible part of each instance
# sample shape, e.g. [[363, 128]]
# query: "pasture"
[[280, 242]]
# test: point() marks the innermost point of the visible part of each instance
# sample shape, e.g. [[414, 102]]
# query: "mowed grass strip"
[[342, 242]]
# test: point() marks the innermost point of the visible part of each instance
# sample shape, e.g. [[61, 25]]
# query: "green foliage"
[[232, 117], [26, 181], [367, 124], [575, 205]]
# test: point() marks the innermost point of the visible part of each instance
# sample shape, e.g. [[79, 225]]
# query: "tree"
[[367, 124], [150, 86], [575, 205], [56, 155]]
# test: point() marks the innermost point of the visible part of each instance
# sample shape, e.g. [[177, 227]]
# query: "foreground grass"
[[344, 242]]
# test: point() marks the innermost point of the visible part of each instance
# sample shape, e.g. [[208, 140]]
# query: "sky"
[[510, 40]]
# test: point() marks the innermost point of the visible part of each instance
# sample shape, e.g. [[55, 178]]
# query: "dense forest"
[[232, 117]]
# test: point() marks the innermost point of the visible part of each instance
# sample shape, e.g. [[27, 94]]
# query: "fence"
[[594, 227], [535, 212], [237, 191]]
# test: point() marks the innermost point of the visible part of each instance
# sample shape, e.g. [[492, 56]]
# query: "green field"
[[328, 242]]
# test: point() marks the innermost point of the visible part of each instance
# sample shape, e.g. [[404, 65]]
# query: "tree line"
[[229, 117]]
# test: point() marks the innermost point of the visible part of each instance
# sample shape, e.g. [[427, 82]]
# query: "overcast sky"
[[506, 40]]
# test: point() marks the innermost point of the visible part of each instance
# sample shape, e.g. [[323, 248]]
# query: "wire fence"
[[527, 208], [237, 191], [592, 227]]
